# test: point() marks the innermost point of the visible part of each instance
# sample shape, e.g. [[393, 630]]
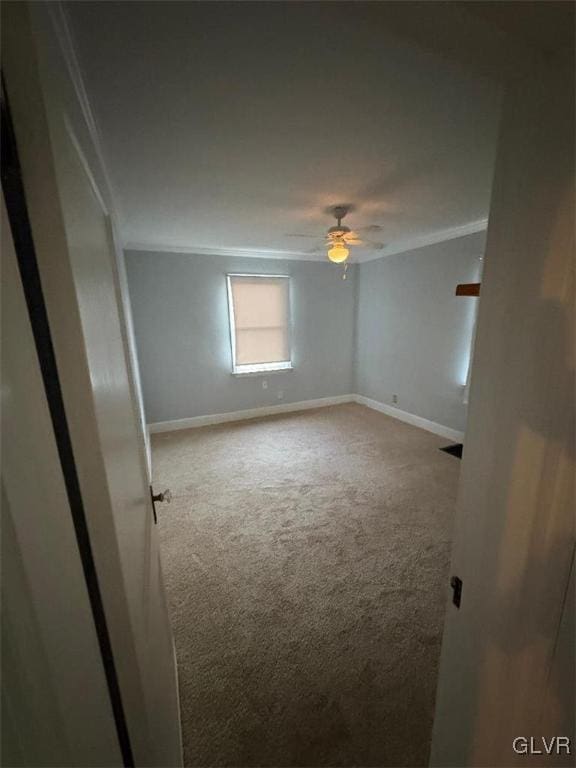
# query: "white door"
[[46, 612], [71, 226], [507, 665]]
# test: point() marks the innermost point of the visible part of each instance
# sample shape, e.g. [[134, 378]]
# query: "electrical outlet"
[[280, 394], [394, 398], [264, 383]]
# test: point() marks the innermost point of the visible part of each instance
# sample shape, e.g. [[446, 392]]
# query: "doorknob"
[[163, 496]]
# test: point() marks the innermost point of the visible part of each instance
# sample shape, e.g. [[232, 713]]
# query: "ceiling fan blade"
[[370, 228], [299, 234]]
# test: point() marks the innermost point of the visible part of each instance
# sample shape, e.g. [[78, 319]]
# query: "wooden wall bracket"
[[468, 289]]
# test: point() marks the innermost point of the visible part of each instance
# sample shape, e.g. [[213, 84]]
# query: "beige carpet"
[[306, 561]]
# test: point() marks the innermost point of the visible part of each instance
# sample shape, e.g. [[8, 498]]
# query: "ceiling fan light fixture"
[[338, 253]]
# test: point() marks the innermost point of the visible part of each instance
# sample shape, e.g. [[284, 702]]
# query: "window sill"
[[261, 370]]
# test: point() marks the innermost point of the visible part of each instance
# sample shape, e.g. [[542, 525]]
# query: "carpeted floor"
[[306, 561]]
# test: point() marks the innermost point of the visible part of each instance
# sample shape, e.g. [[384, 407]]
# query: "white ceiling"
[[227, 126]]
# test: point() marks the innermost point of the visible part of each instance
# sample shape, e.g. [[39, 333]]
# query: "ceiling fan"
[[339, 238]]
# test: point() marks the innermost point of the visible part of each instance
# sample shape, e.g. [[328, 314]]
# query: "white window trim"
[[256, 369]]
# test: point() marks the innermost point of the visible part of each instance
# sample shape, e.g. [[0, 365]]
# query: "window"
[[259, 307]]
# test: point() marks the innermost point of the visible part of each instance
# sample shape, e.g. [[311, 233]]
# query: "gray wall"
[[180, 312], [413, 334], [394, 327]]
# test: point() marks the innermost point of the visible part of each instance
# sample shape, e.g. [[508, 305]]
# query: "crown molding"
[[421, 241], [253, 253], [400, 246]]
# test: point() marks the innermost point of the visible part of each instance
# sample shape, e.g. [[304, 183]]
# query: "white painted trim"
[[410, 418], [304, 405], [249, 413], [261, 369], [200, 250], [360, 256], [421, 241]]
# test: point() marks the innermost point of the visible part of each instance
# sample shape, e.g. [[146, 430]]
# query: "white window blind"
[[259, 308]]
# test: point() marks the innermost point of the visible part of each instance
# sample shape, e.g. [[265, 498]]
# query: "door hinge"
[[456, 584]]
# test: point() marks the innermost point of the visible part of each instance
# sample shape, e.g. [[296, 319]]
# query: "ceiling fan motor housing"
[[339, 211], [337, 232]]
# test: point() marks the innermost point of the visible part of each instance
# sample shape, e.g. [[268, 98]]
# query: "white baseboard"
[[304, 405], [249, 413], [410, 418]]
